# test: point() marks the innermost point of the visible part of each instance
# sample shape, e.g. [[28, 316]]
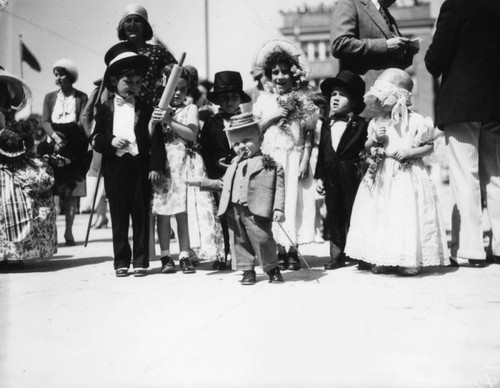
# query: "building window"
[[321, 51], [310, 51]]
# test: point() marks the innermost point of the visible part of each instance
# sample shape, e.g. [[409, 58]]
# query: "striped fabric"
[[15, 208], [474, 158]]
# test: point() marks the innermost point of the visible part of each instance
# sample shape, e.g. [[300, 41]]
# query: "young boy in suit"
[[214, 147], [121, 135], [338, 173], [252, 198]]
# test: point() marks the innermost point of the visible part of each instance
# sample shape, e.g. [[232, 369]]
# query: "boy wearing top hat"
[[338, 175], [214, 146], [121, 135], [252, 197]]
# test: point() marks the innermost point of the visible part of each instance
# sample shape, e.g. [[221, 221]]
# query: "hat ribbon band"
[[119, 57]]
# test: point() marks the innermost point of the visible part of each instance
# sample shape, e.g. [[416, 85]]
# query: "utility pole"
[[207, 55]]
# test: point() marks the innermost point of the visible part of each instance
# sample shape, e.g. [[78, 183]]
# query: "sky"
[[83, 30]]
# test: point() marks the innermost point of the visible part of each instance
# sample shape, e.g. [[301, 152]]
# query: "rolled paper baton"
[[169, 90]]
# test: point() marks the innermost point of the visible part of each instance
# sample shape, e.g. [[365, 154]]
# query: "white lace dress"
[[396, 219]]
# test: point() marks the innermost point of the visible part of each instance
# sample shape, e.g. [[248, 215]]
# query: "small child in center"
[[253, 196], [338, 175]]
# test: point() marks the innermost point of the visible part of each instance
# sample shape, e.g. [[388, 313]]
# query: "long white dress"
[[396, 219], [286, 146]]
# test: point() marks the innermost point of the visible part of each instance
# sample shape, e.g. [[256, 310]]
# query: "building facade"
[[309, 27]]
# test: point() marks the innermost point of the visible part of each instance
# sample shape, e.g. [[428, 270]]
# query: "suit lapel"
[[374, 14]]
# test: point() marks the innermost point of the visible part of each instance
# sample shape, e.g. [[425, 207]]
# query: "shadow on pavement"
[[59, 263]]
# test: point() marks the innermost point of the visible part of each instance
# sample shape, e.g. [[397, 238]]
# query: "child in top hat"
[[214, 146], [253, 196], [121, 134], [343, 138]]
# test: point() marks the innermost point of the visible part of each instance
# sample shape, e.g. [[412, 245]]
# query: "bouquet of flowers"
[[371, 159], [298, 105]]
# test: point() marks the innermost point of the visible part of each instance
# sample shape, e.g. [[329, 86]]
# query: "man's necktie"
[[385, 14]]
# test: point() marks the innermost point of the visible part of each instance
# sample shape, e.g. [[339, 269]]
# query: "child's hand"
[[194, 182], [120, 142], [169, 114], [320, 187], [158, 115], [303, 170], [380, 134], [401, 154], [278, 216], [154, 177]]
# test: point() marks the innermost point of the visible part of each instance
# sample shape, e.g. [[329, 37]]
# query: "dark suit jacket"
[[341, 167], [465, 52], [48, 105], [215, 146], [358, 38], [266, 188], [103, 135]]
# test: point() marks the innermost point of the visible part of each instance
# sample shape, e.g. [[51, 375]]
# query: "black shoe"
[[249, 278], [121, 272], [186, 265], [140, 272], [167, 265], [364, 266], [282, 261], [293, 261], [219, 265], [453, 262], [334, 264], [275, 276], [478, 263]]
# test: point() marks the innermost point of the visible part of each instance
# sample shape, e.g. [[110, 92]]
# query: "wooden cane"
[[92, 208]]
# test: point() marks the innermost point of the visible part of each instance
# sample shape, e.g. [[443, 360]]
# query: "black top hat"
[[123, 55], [11, 144], [228, 82], [351, 81]]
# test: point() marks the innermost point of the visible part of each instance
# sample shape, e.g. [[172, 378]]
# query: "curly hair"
[[279, 57]]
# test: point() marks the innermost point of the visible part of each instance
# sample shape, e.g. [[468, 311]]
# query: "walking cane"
[[298, 252], [92, 208]]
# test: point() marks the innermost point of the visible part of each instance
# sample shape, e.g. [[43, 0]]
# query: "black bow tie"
[[337, 117]]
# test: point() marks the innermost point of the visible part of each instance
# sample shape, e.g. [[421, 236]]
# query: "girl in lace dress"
[[194, 210], [396, 222], [288, 121]]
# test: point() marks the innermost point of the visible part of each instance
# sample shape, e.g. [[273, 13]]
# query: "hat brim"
[[329, 84], [284, 46], [22, 94], [214, 96], [138, 62], [254, 123]]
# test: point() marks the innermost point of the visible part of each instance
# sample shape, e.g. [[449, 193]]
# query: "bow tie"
[[120, 101], [337, 117]]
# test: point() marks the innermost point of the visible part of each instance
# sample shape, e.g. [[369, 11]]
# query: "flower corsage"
[[268, 162]]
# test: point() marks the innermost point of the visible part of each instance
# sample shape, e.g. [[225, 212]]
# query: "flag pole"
[[21, 56]]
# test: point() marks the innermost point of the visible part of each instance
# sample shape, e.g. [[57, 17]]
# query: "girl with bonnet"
[[288, 121], [396, 223]]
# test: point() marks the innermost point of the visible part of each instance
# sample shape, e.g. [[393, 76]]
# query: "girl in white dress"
[[288, 121], [396, 222]]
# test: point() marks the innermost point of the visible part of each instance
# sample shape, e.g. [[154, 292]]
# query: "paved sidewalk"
[[69, 322]]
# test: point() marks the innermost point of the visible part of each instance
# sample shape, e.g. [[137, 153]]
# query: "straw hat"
[[139, 10], [241, 126], [286, 47], [18, 94], [67, 65], [11, 144]]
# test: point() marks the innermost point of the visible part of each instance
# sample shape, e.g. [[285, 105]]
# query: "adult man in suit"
[[465, 53], [365, 36]]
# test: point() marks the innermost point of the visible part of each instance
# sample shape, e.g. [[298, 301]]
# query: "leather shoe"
[[334, 264], [167, 265], [249, 278], [282, 261], [364, 266], [121, 272], [186, 265], [140, 272], [275, 276], [293, 261], [478, 263]]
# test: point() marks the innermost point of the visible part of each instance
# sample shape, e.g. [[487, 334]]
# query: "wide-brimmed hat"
[[227, 82], [18, 94], [123, 55], [284, 46], [11, 144], [353, 82], [139, 10], [67, 65]]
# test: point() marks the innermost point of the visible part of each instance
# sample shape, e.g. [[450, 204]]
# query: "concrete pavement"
[[69, 322]]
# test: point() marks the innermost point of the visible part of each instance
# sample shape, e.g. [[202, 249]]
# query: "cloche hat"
[[122, 55], [353, 82], [139, 10], [228, 82], [67, 65]]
